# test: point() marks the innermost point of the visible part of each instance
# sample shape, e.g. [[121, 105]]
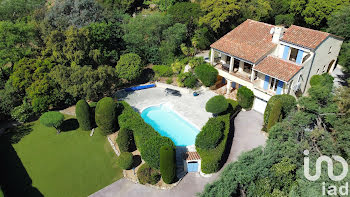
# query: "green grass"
[[68, 164]]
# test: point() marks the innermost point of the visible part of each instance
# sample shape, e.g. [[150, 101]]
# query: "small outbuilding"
[[192, 162]]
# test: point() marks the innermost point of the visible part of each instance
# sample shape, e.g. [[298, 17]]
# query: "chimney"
[[277, 33]]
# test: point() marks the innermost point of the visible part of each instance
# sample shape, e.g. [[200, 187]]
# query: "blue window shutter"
[[233, 84], [266, 83], [223, 80], [300, 56], [279, 87], [285, 52]]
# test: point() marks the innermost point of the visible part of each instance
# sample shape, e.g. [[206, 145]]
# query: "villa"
[[272, 60]]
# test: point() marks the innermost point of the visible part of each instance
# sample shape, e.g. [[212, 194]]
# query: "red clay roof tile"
[[250, 41], [278, 68]]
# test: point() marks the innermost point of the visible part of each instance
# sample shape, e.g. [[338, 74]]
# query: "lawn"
[[71, 163]]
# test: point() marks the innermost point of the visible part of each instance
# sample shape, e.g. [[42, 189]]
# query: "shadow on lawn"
[[70, 125], [15, 134], [14, 179]]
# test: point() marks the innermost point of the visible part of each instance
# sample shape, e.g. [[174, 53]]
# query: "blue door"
[[192, 167]]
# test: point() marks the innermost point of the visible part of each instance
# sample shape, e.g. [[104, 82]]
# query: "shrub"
[[105, 115], [196, 61], [275, 114], [190, 81], [52, 119], [82, 112], [146, 174], [212, 159], [216, 104], [207, 74], [169, 81], [288, 104], [124, 140], [167, 164], [211, 134], [22, 113], [129, 66], [177, 67], [245, 97], [162, 70], [125, 160], [315, 80], [151, 150], [232, 108], [323, 80], [147, 140]]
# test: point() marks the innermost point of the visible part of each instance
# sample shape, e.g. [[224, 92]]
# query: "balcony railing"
[[242, 75], [257, 85]]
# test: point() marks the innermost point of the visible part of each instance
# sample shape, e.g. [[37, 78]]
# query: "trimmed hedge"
[[207, 74], [52, 119], [212, 158], [245, 97], [210, 135], [125, 160], [288, 104], [82, 112], [162, 70], [275, 115], [146, 174], [124, 140], [105, 115], [167, 164], [147, 140], [216, 104]]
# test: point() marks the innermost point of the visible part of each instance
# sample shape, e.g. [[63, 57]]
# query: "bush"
[[245, 97], [288, 104], [146, 174], [216, 104], [233, 107], [169, 81], [147, 140], [196, 61], [190, 81], [167, 164], [162, 70], [323, 80], [125, 140], [22, 113], [82, 112], [52, 119], [212, 159], [211, 134], [125, 161], [177, 67], [207, 74], [275, 116], [129, 67], [315, 80], [105, 115]]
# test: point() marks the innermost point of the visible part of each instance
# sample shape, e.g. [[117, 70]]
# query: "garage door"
[[192, 167], [259, 105]]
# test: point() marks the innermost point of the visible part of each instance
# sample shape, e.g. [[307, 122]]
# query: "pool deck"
[[189, 107]]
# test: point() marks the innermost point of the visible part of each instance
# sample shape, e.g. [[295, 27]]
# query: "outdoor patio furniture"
[[172, 92]]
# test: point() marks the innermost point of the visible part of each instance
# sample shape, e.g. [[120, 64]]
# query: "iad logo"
[[332, 190]]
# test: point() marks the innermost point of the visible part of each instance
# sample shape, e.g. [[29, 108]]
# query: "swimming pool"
[[171, 125]]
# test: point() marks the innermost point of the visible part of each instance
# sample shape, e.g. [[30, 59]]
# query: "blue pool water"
[[171, 125]]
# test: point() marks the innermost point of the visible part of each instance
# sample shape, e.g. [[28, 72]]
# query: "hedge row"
[[211, 134], [124, 140], [212, 158], [147, 140], [276, 115], [167, 164], [288, 104]]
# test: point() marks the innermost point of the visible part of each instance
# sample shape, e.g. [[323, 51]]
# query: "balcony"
[[239, 74], [259, 85]]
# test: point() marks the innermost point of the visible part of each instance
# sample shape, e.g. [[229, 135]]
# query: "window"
[[247, 68], [306, 57], [228, 60], [273, 84], [318, 71], [293, 54]]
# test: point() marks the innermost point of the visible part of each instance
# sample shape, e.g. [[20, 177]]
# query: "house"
[[272, 60]]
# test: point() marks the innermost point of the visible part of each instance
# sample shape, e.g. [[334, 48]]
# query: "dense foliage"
[[210, 135], [105, 115], [275, 115], [129, 66], [147, 140], [83, 114], [207, 74], [52, 119], [213, 159], [288, 104], [125, 140], [245, 97], [216, 104], [167, 164], [162, 70], [146, 174], [125, 160]]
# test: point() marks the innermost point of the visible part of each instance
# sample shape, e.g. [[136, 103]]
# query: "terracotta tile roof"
[[278, 68], [192, 156], [250, 41], [304, 37]]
